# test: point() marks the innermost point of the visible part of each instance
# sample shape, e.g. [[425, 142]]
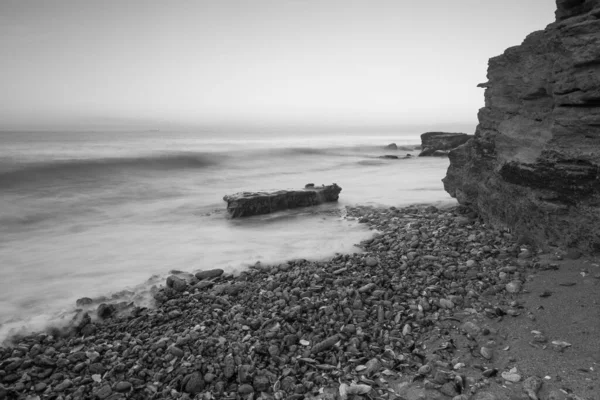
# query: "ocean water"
[[98, 214]]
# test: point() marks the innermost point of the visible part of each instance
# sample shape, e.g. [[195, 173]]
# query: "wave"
[[49, 171]]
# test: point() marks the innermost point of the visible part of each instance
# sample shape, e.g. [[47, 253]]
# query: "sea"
[[92, 214]]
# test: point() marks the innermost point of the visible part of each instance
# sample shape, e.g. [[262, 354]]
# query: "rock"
[[471, 328], [261, 383], [389, 157], [533, 164], [371, 261], [67, 383], [532, 386], [176, 351], [245, 389], [105, 310], [192, 383], [556, 395], [88, 330], [511, 376], [103, 392], [84, 302], [254, 203], [391, 146], [513, 287], [445, 303], [486, 352], [448, 389], [432, 142], [209, 274], [176, 283], [122, 387]]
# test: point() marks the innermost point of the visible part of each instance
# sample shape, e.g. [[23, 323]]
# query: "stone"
[[105, 310], [533, 164], [437, 143], [486, 352], [245, 389], [209, 274], [63, 385], [445, 303], [103, 392], [448, 389], [532, 386], [84, 302], [255, 203], [371, 261], [511, 376], [122, 387], [176, 351], [391, 146], [513, 287], [192, 383], [176, 283], [261, 383]]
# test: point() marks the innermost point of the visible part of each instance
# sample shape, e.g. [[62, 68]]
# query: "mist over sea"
[[98, 214]]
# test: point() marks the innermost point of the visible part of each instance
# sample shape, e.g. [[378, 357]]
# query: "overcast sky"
[[252, 62]]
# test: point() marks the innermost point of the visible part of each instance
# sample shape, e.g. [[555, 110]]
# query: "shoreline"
[[303, 329]]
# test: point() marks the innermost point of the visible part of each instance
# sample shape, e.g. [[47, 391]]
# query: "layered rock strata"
[[245, 204], [439, 143], [534, 165]]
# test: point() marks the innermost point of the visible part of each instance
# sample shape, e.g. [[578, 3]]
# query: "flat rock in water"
[[245, 204]]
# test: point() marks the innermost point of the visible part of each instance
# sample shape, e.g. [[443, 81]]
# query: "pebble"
[[511, 376], [487, 352], [513, 287], [103, 392], [371, 261], [122, 387], [532, 385]]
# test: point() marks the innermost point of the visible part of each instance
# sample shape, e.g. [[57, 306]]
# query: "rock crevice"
[[534, 164]]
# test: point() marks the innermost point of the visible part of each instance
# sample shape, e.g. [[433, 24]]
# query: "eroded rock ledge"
[[255, 203], [534, 165]]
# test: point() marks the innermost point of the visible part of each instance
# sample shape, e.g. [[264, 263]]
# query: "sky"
[[252, 63]]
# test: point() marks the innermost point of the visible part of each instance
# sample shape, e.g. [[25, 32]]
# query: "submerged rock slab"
[[534, 165], [434, 143], [245, 204]]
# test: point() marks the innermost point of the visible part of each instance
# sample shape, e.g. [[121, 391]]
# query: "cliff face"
[[534, 164]]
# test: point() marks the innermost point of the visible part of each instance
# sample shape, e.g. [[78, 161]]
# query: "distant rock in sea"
[[391, 146], [432, 142], [255, 203], [534, 165]]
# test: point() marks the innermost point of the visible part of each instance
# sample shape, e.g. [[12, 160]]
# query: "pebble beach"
[[410, 317]]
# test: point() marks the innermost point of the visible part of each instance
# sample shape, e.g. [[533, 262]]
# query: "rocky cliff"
[[534, 164]]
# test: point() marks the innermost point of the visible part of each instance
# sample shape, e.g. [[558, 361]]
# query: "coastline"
[[392, 322]]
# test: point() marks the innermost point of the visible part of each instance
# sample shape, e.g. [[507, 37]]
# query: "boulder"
[[105, 310], [534, 164], [176, 283], [444, 141], [254, 203], [209, 274], [391, 146]]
